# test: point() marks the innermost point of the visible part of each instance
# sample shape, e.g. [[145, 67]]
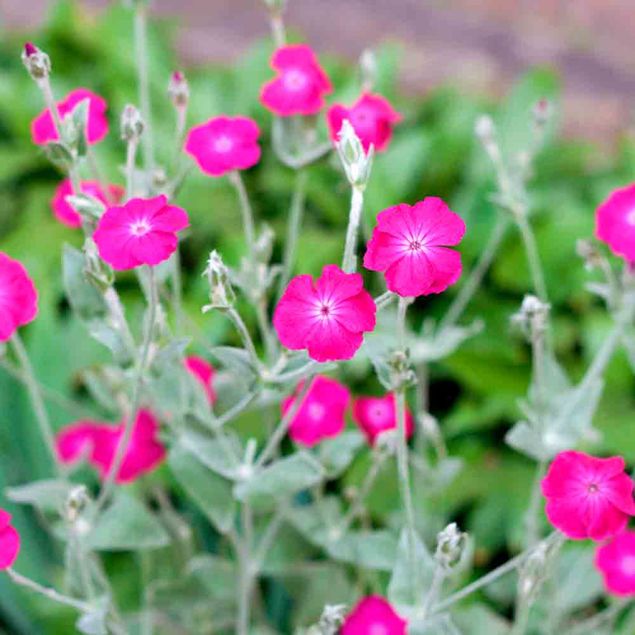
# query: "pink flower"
[[616, 562], [9, 541], [615, 222], [64, 211], [224, 144], [588, 497], [204, 373], [97, 443], [141, 232], [43, 128], [322, 413], [408, 245], [300, 83], [372, 118], [18, 297], [373, 615], [375, 415], [327, 317]]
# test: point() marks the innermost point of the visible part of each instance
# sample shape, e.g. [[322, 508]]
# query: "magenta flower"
[[43, 128], [224, 144], [203, 372], [373, 615], [9, 541], [408, 245], [18, 297], [372, 118], [616, 562], [64, 211], [615, 222], [327, 317], [588, 497], [322, 413], [375, 415], [141, 232], [300, 83], [97, 443]]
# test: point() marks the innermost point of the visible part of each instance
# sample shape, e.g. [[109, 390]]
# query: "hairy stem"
[[349, 264], [247, 573], [143, 73], [131, 153], [247, 214], [533, 259]]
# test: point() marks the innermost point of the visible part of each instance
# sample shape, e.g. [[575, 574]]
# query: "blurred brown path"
[[479, 45]]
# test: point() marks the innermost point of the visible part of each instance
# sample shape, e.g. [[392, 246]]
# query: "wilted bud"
[[368, 68], [75, 503], [331, 619], [131, 124], [221, 294], [588, 251], [542, 112], [532, 316], [178, 90], [36, 62], [357, 164], [450, 546]]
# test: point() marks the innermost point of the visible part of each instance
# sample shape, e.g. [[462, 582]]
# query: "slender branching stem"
[[349, 261], [143, 73]]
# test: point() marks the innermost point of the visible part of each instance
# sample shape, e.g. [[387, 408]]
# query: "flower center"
[[325, 310], [223, 144], [415, 245], [316, 411], [140, 227], [294, 79], [593, 488], [628, 565]]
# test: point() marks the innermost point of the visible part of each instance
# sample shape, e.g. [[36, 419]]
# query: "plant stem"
[[97, 173], [277, 28], [45, 86], [234, 316], [531, 518], [283, 426], [131, 153], [51, 594], [141, 58], [521, 617], [357, 201], [236, 180], [533, 259], [177, 291], [473, 282], [602, 619], [35, 395], [122, 447], [293, 229], [246, 573], [402, 453], [263, 326], [236, 410], [435, 587]]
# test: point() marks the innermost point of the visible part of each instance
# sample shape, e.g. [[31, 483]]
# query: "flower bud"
[[331, 619], [588, 251], [37, 62], [357, 164], [131, 124], [221, 293], [542, 112], [178, 90], [532, 316], [485, 130], [450, 546], [75, 503]]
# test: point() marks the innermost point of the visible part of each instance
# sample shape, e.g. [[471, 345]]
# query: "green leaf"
[[281, 479], [211, 492], [367, 549], [217, 455], [48, 495], [218, 575], [93, 623], [337, 454], [237, 360], [127, 526], [401, 589]]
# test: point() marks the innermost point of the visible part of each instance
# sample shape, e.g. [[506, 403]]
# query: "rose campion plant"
[[251, 470]]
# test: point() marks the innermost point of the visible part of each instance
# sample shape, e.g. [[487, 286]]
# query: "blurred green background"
[[474, 393]]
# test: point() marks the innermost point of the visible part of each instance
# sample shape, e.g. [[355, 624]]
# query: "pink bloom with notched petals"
[[409, 244], [64, 211], [616, 562], [224, 144], [43, 129], [615, 222], [373, 615], [203, 372], [18, 297], [322, 413], [588, 497], [141, 232], [97, 443], [372, 118], [9, 541], [300, 83], [375, 415], [327, 317]]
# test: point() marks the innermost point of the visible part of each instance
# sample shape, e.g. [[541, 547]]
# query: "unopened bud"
[[450, 546], [357, 164], [36, 62], [542, 112], [368, 68], [588, 251], [532, 316], [331, 619], [75, 503], [131, 123], [221, 293], [484, 129], [178, 90]]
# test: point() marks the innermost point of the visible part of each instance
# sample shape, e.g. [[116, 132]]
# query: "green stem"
[[141, 57], [131, 153], [35, 395], [531, 518], [349, 264], [177, 291], [533, 259], [122, 447], [247, 214], [247, 574], [277, 29], [293, 229], [234, 316]]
